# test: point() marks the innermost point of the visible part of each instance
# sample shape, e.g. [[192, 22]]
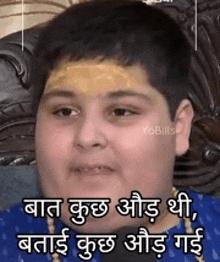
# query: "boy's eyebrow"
[[123, 93], [58, 93]]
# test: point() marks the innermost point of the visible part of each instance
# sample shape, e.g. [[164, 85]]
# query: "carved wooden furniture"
[[200, 168]]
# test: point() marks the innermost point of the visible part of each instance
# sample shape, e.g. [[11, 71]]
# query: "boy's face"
[[102, 115]]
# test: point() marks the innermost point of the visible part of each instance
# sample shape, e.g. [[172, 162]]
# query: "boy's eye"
[[65, 112], [120, 112], [123, 112]]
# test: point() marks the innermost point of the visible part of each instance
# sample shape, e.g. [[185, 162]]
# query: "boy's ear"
[[183, 120]]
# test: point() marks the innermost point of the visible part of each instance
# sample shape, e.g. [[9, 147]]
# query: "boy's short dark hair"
[[128, 31]]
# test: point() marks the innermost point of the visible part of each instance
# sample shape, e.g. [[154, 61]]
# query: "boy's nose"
[[90, 134]]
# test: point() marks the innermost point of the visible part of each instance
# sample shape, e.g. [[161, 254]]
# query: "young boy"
[[110, 73]]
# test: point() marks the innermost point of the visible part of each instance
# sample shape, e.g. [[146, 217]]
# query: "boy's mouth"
[[93, 170]]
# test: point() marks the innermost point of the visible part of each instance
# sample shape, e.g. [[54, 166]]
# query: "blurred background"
[[35, 12]]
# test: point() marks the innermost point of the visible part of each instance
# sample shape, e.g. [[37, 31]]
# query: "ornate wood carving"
[[200, 167], [17, 93]]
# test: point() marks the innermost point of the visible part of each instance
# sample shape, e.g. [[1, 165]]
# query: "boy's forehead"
[[92, 77]]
